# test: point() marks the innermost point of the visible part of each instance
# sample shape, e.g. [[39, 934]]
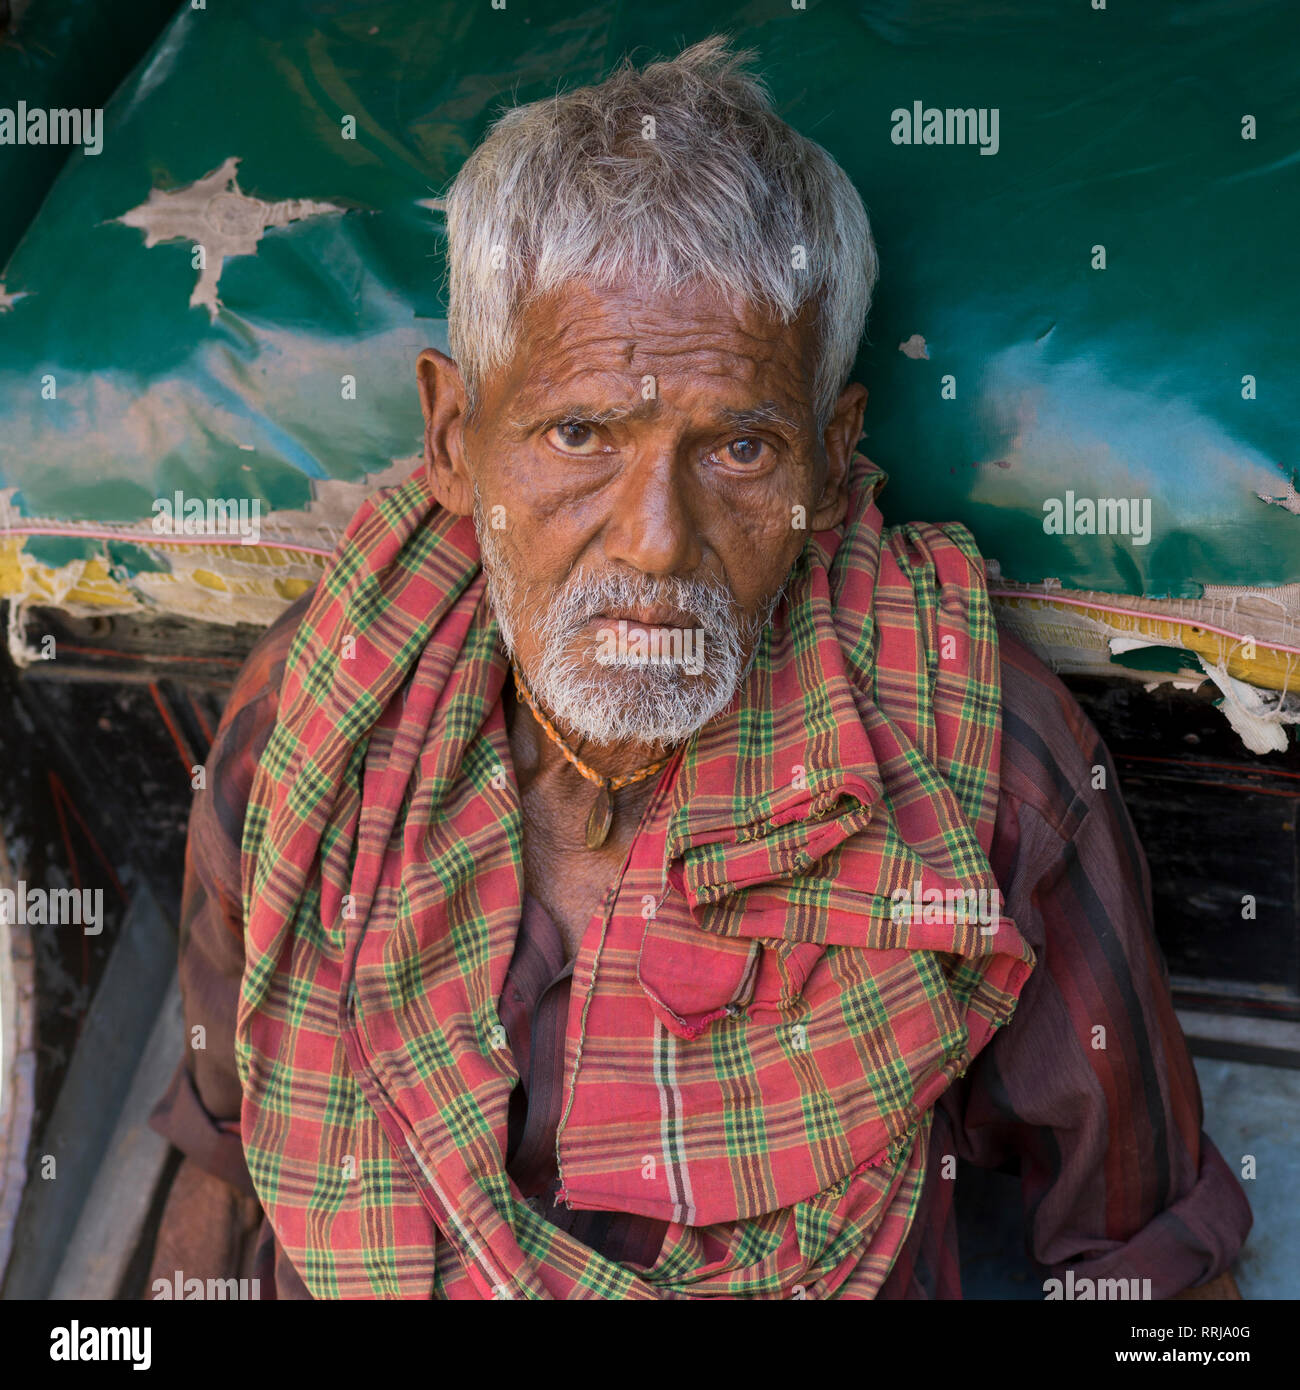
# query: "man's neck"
[[537, 753], [557, 801]]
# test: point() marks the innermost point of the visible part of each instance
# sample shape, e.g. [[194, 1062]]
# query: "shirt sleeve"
[[199, 1112], [1089, 1092]]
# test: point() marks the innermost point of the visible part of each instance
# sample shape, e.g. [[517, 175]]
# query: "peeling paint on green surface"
[[1004, 367], [1156, 659]]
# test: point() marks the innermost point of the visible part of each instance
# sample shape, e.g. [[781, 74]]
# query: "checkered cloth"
[[756, 1033]]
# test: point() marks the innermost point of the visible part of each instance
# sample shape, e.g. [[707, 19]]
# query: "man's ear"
[[840, 439], [442, 398]]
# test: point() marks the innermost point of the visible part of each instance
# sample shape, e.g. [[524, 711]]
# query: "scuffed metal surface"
[[1288, 498], [228, 584], [1058, 373], [1260, 717], [1245, 640], [214, 214]]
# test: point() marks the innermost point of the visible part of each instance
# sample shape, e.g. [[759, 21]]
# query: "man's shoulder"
[[1050, 748], [252, 705], [263, 669], [217, 815]]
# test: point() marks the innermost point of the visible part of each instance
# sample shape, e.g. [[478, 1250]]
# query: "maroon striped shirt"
[[1103, 1127]]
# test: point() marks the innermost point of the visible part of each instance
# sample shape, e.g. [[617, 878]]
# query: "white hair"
[[666, 176]]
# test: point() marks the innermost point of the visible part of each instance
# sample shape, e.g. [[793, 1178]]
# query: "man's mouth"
[[647, 618]]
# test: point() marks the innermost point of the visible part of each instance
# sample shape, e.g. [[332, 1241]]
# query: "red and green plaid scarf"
[[756, 1033]]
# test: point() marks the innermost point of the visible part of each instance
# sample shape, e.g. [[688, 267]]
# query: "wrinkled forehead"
[[669, 345]]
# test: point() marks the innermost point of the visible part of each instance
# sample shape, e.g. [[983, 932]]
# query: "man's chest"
[[570, 884], [569, 879]]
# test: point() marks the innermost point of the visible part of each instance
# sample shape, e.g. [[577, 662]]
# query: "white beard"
[[658, 698]]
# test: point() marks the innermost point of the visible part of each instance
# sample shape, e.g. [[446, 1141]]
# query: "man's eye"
[[575, 437], [746, 450]]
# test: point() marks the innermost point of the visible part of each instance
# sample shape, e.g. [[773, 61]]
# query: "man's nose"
[[652, 525]]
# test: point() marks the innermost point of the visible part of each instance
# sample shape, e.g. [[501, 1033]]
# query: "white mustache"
[[709, 605]]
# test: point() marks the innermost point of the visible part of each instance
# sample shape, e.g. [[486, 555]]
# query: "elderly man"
[[635, 872]]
